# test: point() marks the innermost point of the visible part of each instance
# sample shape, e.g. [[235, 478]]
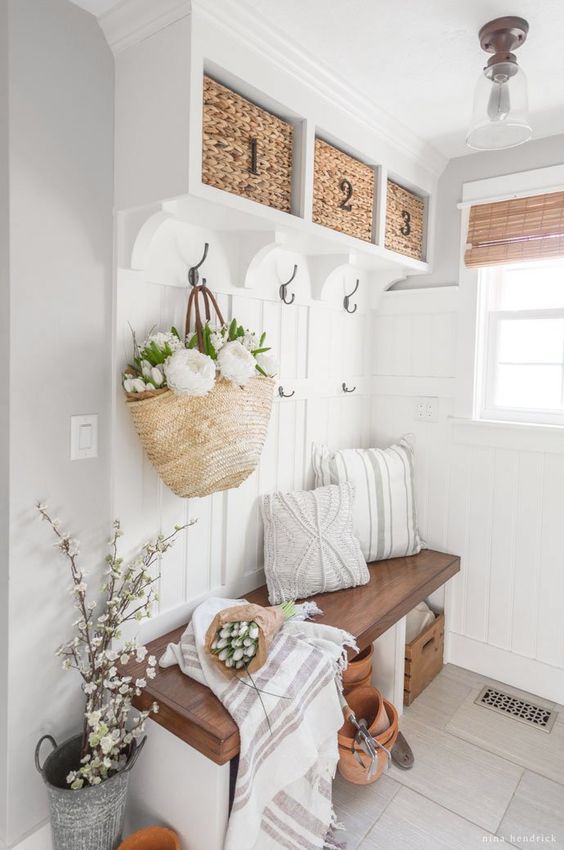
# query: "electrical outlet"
[[427, 408]]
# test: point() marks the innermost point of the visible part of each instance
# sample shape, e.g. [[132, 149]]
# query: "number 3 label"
[[406, 229]]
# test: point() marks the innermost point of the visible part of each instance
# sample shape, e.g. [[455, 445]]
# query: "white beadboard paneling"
[[318, 345], [503, 548], [478, 549], [550, 626], [527, 554]]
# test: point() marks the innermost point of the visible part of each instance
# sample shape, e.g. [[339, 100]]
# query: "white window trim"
[[470, 348], [488, 324]]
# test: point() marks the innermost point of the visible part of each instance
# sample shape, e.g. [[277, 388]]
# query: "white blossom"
[[236, 363], [268, 364], [250, 341], [139, 386], [189, 372], [162, 339], [157, 376], [146, 368], [217, 339]]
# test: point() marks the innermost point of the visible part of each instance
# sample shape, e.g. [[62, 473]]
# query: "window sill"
[[513, 436]]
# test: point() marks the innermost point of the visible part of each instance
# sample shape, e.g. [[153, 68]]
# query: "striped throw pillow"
[[385, 518]]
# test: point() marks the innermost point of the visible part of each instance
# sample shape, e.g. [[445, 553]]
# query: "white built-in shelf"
[[217, 210]]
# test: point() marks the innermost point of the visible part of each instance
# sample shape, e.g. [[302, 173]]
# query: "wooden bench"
[[190, 710]]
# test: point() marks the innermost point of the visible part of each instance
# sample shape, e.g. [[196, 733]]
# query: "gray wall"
[[4, 396], [536, 154], [61, 238]]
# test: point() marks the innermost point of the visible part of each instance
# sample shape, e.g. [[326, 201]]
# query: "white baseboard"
[[528, 674], [38, 840]]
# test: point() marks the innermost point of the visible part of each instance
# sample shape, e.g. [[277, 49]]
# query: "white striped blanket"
[[286, 763]]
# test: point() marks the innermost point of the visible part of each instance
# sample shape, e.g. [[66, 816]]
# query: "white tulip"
[[139, 385], [157, 375], [236, 363], [238, 654], [146, 368], [189, 372], [128, 385], [268, 363]]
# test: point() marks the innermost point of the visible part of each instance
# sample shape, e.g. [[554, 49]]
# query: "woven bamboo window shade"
[[512, 231]]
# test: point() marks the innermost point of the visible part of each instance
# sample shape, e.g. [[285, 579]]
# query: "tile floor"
[[479, 780]]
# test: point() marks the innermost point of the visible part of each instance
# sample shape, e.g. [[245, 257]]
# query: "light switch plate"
[[84, 436]]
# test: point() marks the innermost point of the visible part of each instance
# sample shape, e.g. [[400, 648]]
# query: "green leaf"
[[233, 330], [259, 351], [175, 332], [262, 339], [193, 341], [240, 331], [262, 372], [208, 347]]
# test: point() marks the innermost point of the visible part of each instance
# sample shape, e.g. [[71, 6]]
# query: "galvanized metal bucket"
[[88, 819]]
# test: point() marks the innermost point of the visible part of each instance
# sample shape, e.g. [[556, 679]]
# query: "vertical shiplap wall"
[[491, 493], [319, 347]]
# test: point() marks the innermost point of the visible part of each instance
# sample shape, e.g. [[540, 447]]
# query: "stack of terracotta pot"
[[152, 838], [380, 716]]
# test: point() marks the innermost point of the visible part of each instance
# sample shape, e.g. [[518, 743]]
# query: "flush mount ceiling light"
[[500, 118]]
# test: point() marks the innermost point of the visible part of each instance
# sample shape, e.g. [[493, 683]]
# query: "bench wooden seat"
[[193, 713]]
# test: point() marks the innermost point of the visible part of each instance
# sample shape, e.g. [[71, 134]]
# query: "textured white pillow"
[[385, 519], [309, 545]]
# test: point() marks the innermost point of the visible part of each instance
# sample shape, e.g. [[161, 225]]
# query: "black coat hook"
[[193, 275], [282, 394], [346, 389], [284, 287], [346, 299]]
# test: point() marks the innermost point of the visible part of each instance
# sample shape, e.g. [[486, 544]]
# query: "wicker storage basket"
[[200, 445], [203, 444], [246, 150], [405, 214], [343, 192]]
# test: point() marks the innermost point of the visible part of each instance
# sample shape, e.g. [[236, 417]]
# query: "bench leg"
[[389, 664], [175, 785]]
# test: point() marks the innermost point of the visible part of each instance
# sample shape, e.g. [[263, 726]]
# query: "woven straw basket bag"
[[202, 444]]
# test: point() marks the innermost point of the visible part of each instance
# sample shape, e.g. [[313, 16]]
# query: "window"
[[520, 365]]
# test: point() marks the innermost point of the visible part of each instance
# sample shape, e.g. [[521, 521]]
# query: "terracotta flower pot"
[[369, 704], [359, 672], [152, 838]]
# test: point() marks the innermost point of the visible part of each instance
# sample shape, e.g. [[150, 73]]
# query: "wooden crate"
[[246, 150], [343, 192], [423, 659], [405, 218]]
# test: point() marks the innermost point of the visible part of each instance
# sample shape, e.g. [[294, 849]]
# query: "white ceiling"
[[419, 59]]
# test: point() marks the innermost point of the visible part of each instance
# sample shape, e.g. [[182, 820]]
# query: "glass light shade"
[[500, 118]]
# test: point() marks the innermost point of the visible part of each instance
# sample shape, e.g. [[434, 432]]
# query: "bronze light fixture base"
[[502, 36]]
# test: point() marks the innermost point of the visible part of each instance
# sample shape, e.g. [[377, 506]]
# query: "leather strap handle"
[[208, 302]]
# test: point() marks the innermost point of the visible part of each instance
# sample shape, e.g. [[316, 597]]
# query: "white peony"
[[236, 363], [268, 363], [189, 372]]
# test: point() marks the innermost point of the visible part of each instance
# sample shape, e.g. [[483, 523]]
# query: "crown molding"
[[132, 21], [252, 30]]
